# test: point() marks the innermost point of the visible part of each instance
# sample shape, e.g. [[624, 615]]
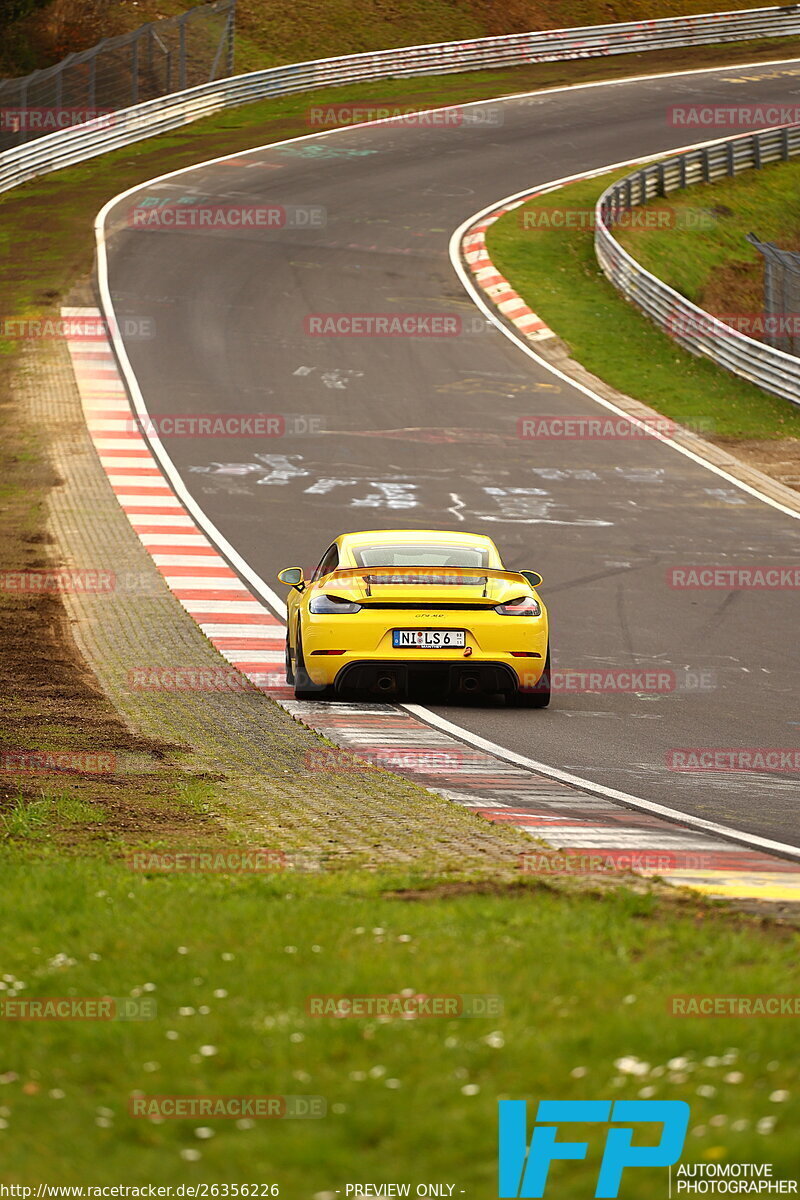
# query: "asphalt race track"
[[423, 432]]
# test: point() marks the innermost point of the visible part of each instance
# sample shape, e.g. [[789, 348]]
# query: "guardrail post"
[[231, 34], [731, 159], [135, 70], [706, 160], [785, 143], [182, 55], [756, 144]]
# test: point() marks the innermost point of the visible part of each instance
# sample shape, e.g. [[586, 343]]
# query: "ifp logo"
[[523, 1170]]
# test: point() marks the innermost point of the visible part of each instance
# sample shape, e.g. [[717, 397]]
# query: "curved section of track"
[[423, 431]]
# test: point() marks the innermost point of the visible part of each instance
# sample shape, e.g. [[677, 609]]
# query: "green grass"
[[713, 265], [583, 983], [557, 274]]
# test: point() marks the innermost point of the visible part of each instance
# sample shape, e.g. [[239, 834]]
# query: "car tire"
[[537, 697], [304, 686]]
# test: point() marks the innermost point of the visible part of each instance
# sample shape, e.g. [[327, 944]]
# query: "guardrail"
[[692, 327], [65, 148]]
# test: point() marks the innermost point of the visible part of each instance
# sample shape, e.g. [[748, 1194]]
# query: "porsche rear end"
[[463, 631]]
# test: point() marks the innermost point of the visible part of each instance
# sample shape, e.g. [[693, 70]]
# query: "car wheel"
[[536, 697], [288, 658], [304, 686]]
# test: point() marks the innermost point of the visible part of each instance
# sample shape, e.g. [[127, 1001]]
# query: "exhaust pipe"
[[385, 683], [470, 683]]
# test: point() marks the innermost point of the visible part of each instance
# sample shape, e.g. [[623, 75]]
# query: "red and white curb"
[[251, 639], [495, 285]]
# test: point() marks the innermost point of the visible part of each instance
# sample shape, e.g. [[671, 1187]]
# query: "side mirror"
[[293, 577], [533, 578]]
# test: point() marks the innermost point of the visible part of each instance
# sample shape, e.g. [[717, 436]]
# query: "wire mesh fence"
[[781, 296], [164, 56]]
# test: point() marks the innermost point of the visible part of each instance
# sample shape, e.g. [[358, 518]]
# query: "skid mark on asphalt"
[[249, 636]]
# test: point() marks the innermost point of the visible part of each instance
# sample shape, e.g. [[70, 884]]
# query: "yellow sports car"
[[389, 609]]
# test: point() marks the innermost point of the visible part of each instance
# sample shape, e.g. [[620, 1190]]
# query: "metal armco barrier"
[[696, 330], [129, 125]]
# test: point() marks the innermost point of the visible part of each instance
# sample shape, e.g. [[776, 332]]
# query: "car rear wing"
[[376, 576]]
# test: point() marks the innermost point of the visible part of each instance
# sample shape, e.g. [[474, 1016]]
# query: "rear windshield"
[[420, 554]]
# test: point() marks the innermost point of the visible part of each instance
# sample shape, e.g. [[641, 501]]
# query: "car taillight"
[[332, 604], [521, 606]]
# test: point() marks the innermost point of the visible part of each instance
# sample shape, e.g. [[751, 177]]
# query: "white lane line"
[[599, 789]]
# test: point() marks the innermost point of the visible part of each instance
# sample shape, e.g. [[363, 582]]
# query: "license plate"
[[428, 639]]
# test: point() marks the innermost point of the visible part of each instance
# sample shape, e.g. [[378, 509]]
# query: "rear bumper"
[[386, 679]]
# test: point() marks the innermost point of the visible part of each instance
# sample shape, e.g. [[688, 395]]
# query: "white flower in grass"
[[404, 937], [631, 1065], [151, 1066], [733, 1077], [699, 1131], [204, 1010], [183, 949], [104, 1112], [172, 1035], [678, 1064], [3, 1123], [149, 987], [779, 1096], [647, 1092], [631, 999], [740, 1125], [718, 1119], [765, 1125], [377, 1071], [189, 1155], [103, 1122], [579, 1072], [208, 1051], [338, 1108], [677, 1077], [495, 1039], [290, 949], [244, 1123], [706, 1090], [186, 1011], [61, 960], [94, 957], [378, 931], [470, 1089], [297, 1037], [56, 1094], [316, 949], [711, 1061], [204, 1133]]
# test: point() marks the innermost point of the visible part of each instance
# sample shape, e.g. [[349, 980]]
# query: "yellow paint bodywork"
[[366, 636]]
